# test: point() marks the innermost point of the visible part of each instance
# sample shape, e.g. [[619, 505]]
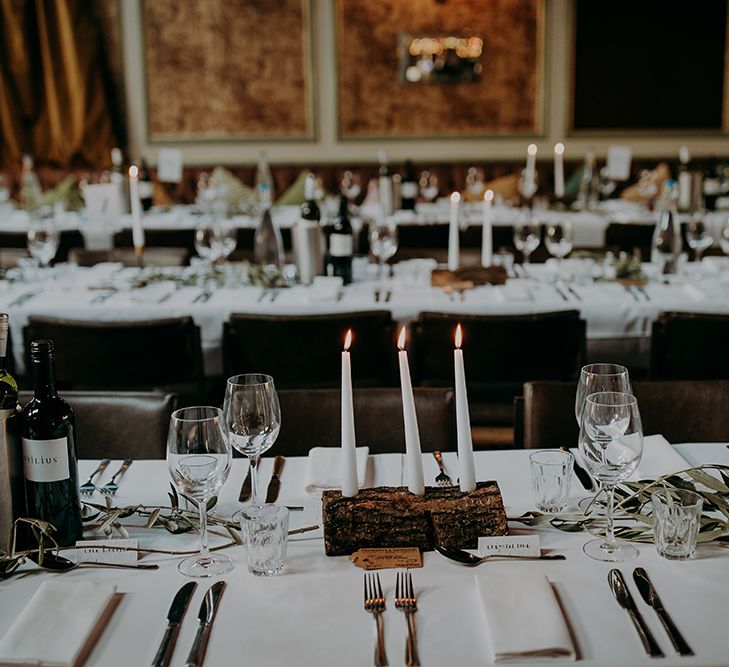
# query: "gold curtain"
[[53, 94]]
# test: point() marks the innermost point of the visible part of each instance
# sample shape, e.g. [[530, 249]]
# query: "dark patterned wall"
[[373, 102], [227, 69]]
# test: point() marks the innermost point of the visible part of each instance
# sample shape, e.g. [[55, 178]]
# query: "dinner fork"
[[88, 487], [374, 603], [111, 487], [406, 602], [442, 478]]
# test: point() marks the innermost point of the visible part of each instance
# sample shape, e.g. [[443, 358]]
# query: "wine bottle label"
[[46, 460], [341, 245], [145, 189], [408, 190]]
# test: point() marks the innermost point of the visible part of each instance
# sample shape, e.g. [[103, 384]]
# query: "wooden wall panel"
[[373, 102], [227, 69]]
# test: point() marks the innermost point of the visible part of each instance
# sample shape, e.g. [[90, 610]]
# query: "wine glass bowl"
[[559, 239], [383, 241], [611, 445], [199, 459], [42, 240], [252, 418], [526, 236], [597, 378], [698, 237]]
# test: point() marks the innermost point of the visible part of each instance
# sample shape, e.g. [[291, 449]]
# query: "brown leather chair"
[[311, 418], [501, 352], [690, 346], [682, 411], [154, 257], [119, 425], [151, 354], [305, 351]]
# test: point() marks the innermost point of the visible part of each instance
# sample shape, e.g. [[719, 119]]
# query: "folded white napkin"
[[324, 468], [659, 458], [57, 624], [524, 621]]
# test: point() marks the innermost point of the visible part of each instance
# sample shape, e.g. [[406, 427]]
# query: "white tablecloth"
[[614, 315], [312, 613]]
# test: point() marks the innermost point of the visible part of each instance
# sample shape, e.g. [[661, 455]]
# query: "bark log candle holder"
[[391, 516]]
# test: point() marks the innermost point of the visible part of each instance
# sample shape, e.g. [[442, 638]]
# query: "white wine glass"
[[526, 235], [697, 235], [42, 240], [252, 418], [209, 242], [611, 445], [199, 457], [383, 242], [559, 239]]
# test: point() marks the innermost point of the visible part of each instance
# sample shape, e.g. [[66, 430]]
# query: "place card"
[[169, 165], [510, 545], [383, 559], [107, 551], [618, 163]]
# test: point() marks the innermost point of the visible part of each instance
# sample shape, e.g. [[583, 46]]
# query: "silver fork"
[[442, 478], [374, 602], [405, 601], [111, 487], [88, 487]]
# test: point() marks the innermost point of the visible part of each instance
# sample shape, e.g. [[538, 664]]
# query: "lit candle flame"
[[488, 195], [348, 340], [133, 171], [532, 150], [559, 148], [401, 339], [455, 198], [459, 337]]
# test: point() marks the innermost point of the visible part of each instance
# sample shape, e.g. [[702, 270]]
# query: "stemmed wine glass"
[[611, 444], [526, 235], [42, 241], [597, 378], [428, 184], [559, 240], [252, 419], [199, 456], [383, 242], [698, 236]]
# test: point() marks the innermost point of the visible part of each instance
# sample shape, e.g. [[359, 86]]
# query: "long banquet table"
[[618, 319], [311, 614]]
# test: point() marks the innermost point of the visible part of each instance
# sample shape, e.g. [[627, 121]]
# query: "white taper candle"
[[559, 170], [454, 248], [413, 457], [136, 210], [487, 241], [466, 467], [350, 485]]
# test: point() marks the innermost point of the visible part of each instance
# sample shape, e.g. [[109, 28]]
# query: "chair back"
[[119, 425], [305, 351], [312, 418], [681, 411], [122, 355], [690, 346]]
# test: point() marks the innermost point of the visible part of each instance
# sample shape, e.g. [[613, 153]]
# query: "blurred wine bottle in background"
[[341, 243], [146, 188], [408, 187]]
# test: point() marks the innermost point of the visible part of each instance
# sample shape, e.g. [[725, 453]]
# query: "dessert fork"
[[111, 487], [374, 603], [406, 602], [88, 487], [442, 478]]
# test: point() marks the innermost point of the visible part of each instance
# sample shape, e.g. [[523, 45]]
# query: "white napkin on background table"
[[659, 458], [524, 621], [58, 624], [324, 468]]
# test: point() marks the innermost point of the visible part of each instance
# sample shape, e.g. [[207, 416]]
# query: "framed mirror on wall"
[[426, 68], [636, 67], [228, 71]]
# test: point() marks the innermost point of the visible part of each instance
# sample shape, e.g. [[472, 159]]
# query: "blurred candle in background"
[[454, 249], [559, 170], [487, 241]]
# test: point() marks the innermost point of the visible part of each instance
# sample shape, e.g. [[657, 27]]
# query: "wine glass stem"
[[202, 509], [253, 460], [609, 529]]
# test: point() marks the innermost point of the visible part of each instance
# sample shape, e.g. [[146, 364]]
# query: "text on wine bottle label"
[[341, 245], [46, 460]]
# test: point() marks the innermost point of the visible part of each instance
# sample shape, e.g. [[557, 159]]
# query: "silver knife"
[[245, 489], [625, 599], [174, 620], [648, 592], [206, 616], [274, 486]]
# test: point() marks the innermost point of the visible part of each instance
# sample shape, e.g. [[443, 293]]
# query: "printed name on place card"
[[509, 545], [107, 551]]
